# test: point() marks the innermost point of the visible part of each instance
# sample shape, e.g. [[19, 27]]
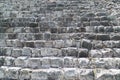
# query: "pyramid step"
[[17, 73], [60, 62]]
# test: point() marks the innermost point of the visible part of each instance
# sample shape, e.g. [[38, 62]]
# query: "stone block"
[[86, 44], [85, 74], [13, 72], [103, 37], [25, 73], [69, 62], [38, 36], [3, 43], [21, 62], [107, 52], [83, 63], [103, 74], [34, 63], [36, 52], [117, 52], [16, 52], [50, 52], [95, 54], [55, 74], [29, 44], [58, 44], [39, 44], [82, 52], [56, 62], [39, 74], [45, 62], [9, 61], [70, 74], [26, 51]]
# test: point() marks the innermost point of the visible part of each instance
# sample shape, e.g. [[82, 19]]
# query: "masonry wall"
[[59, 40]]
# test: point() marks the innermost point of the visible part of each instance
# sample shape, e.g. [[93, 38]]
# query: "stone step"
[[60, 62], [62, 36], [17, 73], [69, 51], [82, 43], [103, 29], [69, 29]]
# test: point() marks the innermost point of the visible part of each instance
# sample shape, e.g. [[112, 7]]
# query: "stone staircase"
[[59, 40]]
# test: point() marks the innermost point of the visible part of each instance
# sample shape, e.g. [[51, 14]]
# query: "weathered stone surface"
[[16, 52], [82, 52], [36, 52], [86, 74], [95, 54], [45, 62], [83, 63], [21, 62], [70, 74], [25, 73], [13, 72], [26, 51], [9, 61], [39, 75], [55, 74], [58, 44], [107, 52], [86, 44], [56, 62], [34, 63], [50, 52]]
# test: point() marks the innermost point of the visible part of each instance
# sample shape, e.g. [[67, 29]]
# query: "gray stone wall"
[[59, 40]]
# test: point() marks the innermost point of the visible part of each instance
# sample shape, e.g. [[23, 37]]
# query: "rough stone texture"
[[59, 40]]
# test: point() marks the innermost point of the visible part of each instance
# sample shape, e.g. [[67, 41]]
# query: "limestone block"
[[26, 51], [38, 36], [55, 74], [34, 63], [86, 74], [83, 63], [68, 43], [86, 44], [117, 52], [18, 29], [98, 44], [16, 52], [12, 72], [9, 43], [69, 62], [39, 74], [8, 51], [95, 53], [3, 43], [58, 44], [103, 74], [70, 74], [2, 60], [21, 62], [106, 63], [56, 62], [24, 73], [17, 43], [82, 52], [103, 37], [35, 52], [111, 44], [9, 61], [39, 43], [49, 44], [107, 52], [2, 73], [50, 52], [45, 62]]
